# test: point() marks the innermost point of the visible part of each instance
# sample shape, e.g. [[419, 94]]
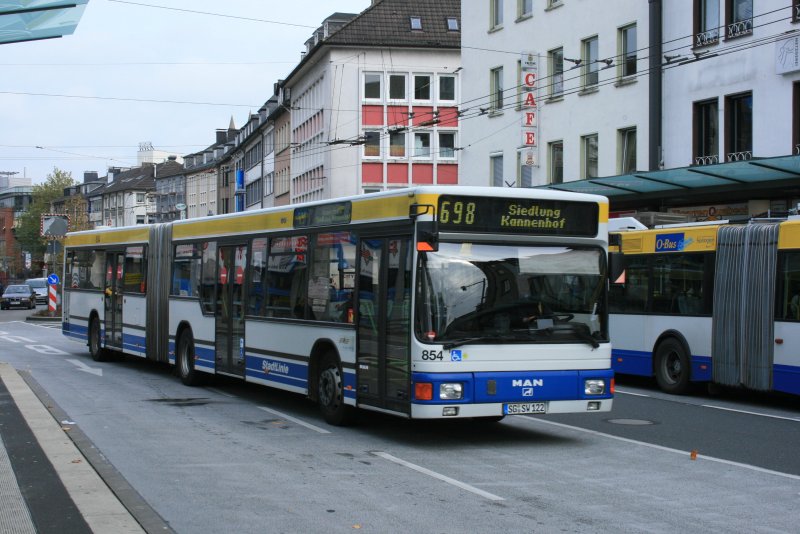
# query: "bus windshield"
[[476, 293]]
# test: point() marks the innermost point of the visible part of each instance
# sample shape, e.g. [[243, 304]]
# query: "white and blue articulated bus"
[[431, 302]]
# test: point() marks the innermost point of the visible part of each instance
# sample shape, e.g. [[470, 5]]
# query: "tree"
[[28, 231]]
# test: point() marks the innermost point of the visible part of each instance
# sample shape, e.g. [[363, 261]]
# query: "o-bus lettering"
[[667, 244]]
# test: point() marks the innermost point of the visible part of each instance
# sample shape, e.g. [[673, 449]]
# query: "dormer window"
[[416, 23], [452, 24]]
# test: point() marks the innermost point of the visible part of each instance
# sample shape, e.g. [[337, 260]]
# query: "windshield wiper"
[[476, 339], [579, 329]]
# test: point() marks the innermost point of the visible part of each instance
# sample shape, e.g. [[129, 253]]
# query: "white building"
[[374, 101], [590, 94]]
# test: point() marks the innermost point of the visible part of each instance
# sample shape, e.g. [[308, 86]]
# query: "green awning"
[[749, 172], [32, 20]]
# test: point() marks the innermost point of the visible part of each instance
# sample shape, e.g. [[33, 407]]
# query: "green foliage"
[[30, 221]]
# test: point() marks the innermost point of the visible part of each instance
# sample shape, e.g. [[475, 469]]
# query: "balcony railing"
[[740, 156], [706, 160], [707, 37], [739, 28]]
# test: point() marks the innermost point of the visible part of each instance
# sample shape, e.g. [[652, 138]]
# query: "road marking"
[[617, 390], [295, 420], [434, 474], [795, 419], [223, 393], [85, 368], [662, 448]]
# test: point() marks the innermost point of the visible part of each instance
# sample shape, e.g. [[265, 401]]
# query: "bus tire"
[[330, 392], [186, 370], [673, 368], [98, 353]]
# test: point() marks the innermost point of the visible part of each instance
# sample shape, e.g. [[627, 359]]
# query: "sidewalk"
[[46, 483]]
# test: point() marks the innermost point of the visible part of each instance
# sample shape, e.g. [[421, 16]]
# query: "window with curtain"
[[590, 156], [556, 64], [496, 169], [627, 145], [591, 70], [556, 162]]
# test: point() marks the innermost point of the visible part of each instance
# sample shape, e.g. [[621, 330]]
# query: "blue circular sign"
[[53, 279]]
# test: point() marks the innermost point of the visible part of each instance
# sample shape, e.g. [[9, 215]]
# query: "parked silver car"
[[39, 285]]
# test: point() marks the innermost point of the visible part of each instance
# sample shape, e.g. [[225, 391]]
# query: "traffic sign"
[[53, 279]]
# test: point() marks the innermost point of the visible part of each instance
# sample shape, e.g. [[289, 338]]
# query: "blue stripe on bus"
[[134, 344], [786, 378], [205, 359], [637, 362], [518, 386], [75, 330], [632, 362]]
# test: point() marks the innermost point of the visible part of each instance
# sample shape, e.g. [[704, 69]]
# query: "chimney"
[[172, 157], [222, 136], [89, 176]]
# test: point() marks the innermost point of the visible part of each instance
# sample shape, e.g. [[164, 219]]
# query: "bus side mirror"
[[427, 236], [616, 267]]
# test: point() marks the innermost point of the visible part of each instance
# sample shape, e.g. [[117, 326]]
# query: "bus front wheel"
[[672, 367], [331, 392], [186, 369], [97, 352]]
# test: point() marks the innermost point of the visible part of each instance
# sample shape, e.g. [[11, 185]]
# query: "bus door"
[[113, 299], [384, 322], [231, 262]]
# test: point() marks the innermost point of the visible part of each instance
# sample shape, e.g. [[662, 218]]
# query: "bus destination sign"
[[322, 215], [518, 216]]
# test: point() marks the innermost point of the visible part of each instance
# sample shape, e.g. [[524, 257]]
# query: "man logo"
[[527, 392]]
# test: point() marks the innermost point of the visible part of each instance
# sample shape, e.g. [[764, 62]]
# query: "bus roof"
[[375, 207]]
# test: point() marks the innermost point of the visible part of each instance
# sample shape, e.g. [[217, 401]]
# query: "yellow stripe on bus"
[[122, 236], [789, 236]]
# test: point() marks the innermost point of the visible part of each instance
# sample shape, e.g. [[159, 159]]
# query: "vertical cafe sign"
[[529, 64]]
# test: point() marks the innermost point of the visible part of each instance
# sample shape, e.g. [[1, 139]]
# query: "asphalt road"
[[242, 458]]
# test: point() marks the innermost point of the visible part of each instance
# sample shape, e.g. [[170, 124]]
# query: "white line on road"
[[617, 390], [85, 368], [795, 419], [434, 474], [295, 420], [661, 448], [223, 393]]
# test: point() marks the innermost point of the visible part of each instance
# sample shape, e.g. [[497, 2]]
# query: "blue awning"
[[751, 172], [32, 20]]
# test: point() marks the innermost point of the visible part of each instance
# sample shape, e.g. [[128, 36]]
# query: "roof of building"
[[388, 23]]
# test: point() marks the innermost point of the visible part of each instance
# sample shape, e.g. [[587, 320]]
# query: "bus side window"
[[208, 285]]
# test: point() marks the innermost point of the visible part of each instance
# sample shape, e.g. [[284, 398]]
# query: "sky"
[[167, 72]]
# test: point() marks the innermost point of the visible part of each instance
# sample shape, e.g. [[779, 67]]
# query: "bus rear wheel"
[[672, 367], [330, 392], [186, 370], [98, 353]]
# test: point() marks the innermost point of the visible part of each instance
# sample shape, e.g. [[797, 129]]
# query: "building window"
[[397, 86], [422, 145], [422, 87], [627, 151], [140, 198], [447, 145], [795, 11], [739, 126], [739, 14], [496, 169], [496, 89], [555, 167], [372, 86], [416, 23], [589, 157], [555, 59], [372, 144], [452, 24], [627, 43], [553, 3], [447, 88], [397, 144], [706, 132], [524, 172], [495, 14], [706, 22], [589, 59], [524, 8], [796, 118]]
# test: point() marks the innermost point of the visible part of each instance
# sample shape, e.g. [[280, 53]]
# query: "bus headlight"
[[594, 386], [451, 391]]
